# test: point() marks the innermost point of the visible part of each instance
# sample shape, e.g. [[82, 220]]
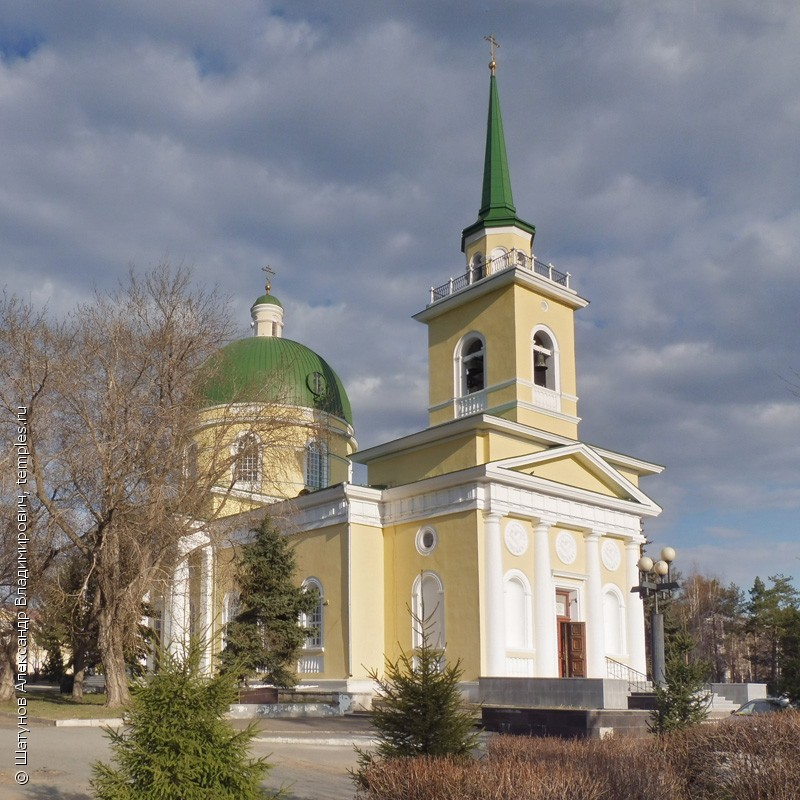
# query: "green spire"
[[497, 203]]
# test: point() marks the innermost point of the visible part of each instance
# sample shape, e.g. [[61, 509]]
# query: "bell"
[[540, 360]]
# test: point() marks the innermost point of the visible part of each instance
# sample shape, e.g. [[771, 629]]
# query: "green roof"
[[268, 300], [497, 203], [273, 369]]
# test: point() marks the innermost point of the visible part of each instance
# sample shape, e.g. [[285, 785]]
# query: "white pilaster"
[[177, 632], [595, 630], [634, 618], [495, 649], [544, 604], [206, 606]]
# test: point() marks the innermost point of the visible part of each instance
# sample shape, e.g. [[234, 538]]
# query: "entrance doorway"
[[571, 637]]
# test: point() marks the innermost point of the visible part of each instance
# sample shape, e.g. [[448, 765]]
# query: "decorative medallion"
[[610, 555], [316, 383], [516, 538], [566, 547]]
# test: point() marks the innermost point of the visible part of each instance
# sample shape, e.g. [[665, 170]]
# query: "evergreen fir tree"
[[684, 699], [420, 711], [176, 745], [264, 638]]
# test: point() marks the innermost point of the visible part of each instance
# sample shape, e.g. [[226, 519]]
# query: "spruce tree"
[[420, 711], [264, 638], [684, 699], [175, 744]]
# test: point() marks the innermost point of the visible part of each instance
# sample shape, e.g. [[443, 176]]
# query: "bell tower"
[[501, 336]]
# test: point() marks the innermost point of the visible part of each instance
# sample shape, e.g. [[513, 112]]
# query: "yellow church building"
[[519, 540]]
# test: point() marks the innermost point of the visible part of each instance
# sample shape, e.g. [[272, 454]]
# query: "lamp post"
[[655, 579]]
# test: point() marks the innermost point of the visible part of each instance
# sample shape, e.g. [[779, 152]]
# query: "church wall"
[[559, 320], [224, 581], [322, 554], [455, 562], [502, 445], [487, 315], [524, 561], [577, 566], [630, 475], [367, 603], [570, 473], [284, 433], [439, 458]]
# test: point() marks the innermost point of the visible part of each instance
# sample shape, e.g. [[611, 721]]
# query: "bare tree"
[[113, 396]]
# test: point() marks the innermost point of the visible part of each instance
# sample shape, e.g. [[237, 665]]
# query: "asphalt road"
[[310, 758]]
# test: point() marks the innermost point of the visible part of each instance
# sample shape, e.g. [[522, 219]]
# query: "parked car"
[[765, 705]]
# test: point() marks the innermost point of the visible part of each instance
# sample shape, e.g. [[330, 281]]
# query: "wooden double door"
[[571, 638]]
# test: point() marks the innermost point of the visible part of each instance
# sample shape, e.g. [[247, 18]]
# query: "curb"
[[66, 723], [328, 742], [112, 722]]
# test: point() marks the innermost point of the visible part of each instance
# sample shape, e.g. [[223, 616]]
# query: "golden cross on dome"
[[492, 44], [268, 271]]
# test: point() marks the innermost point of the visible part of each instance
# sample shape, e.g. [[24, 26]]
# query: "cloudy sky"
[[654, 145]]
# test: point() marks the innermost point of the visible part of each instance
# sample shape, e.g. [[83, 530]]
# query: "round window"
[[426, 541]]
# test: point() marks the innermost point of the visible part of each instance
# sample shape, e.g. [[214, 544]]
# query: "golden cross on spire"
[[268, 271], [492, 44]]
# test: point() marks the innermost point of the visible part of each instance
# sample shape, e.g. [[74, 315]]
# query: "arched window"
[[247, 463], [427, 605], [316, 465], [614, 620], [500, 259], [477, 267], [230, 610], [314, 620], [192, 462], [545, 368], [517, 598], [473, 365]]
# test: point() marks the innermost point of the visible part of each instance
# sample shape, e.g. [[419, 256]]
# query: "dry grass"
[[51, 705], [754, 759]]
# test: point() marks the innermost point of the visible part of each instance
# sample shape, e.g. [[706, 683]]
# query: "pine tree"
[[769, 611], [683, 700], [176, 745], [420, 712], [264, 638]]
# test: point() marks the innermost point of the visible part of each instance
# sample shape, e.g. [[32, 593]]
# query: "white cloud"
[[654, 146]]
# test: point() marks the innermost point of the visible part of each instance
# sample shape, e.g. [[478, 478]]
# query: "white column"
[[206, 606], [544, 604], [634, 616], [595, 630], [495, 628], [177, 631]]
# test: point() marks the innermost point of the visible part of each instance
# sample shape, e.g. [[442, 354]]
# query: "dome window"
[[316, 465], [247, 463]]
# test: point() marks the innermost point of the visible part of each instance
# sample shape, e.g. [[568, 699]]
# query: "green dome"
[[273, 369], [267, 300]]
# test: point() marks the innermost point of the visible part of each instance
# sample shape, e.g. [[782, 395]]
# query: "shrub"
[[421, 711], [684, 699], [737, 759], [175, 745]]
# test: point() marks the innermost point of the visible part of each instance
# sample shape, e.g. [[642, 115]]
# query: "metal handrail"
[[637, 681], [512, 259]]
